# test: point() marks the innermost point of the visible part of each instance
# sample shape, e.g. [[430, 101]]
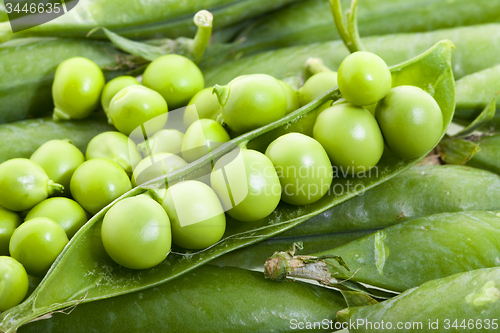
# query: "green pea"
[[77, 86], [24, 184], [196, 214], [350, 136], [251, 101], [410, 120], [13, 283], [97, 182], [202, 137], [316, 86], [9, 221], [364, 78], [292, 97], [247, 185], [116, 147], [175, 77], [65, 212], [156, 165], [113, 87], [59, 159], [135, 107], [136, 233], [163, 141], [37, 243], [303, 168], [203, 105]]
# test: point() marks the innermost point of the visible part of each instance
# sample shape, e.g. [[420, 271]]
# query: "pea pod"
[[418, 192], [488, 157], [22, 138], [464, 302], [376, 17], [406, 255], [95, 276], [475, 91], [3, 13], [393, 49], [142, 20], [218, 298]]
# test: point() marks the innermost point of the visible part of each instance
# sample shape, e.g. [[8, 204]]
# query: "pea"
[[247, 185], [97, 182], [302, 166], [196, 214], [411, 121], [116, 147], [202, 137], [24, 184], [135, 107], [13, 283], [350, 136], [77, 86], [317, 85], [136, 233], [9, 221], [156, 165], [59, 159], [113, 87], [251, 101], [37, 243], [163, 141], [65, 212], [203, 105], [175, 77], [292, 97], [364, 78]]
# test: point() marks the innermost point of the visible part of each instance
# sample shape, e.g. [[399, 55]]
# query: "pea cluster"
[[247, 184]]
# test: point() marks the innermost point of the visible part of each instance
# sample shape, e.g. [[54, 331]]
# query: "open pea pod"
[[464, 302], [84, 272]]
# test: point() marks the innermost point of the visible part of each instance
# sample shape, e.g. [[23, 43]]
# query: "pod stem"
[[53, 187], [315, 66], [348, 28], [203, 20]]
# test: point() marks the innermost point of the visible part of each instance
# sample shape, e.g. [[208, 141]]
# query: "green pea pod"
[[140, 20], [22, 138], [208, 299], [475, 91], [488, 157], [418, 192], [406, 255], [464, 302], [375, 17], [393, 49], [28, 71], [253, 256], [83, 271], [3, 13]]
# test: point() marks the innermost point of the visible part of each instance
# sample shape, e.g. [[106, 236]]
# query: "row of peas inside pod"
[[245, 184]]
